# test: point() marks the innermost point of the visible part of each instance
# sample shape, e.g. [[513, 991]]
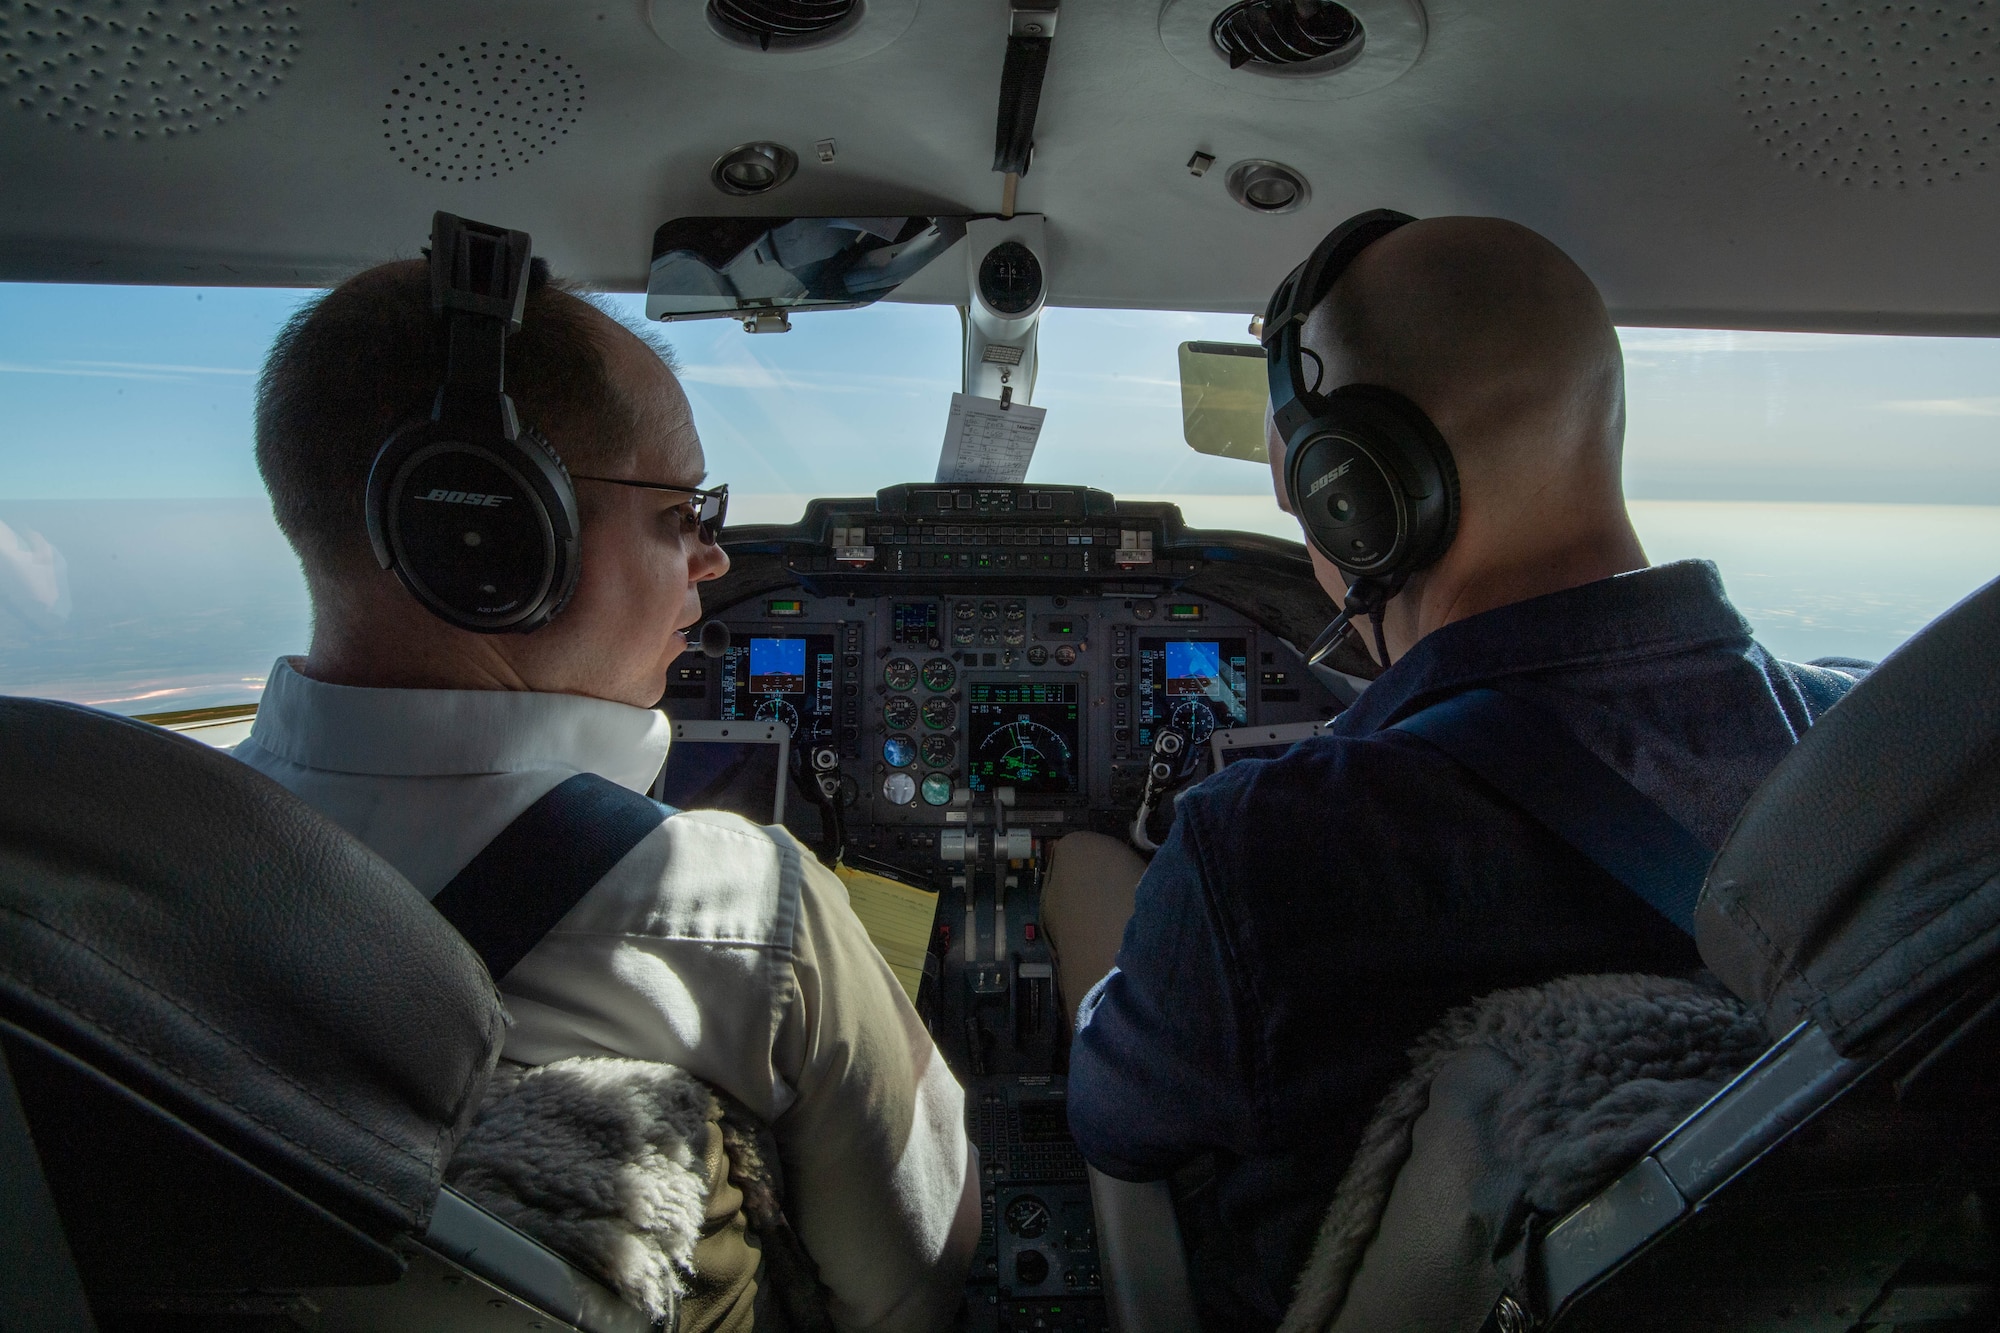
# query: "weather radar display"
[[1024, 735]]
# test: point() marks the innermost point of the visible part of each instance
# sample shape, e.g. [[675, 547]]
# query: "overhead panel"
[[1739, 164]]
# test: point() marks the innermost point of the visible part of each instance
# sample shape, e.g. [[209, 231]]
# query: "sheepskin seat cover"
[[601, 1160], [1519, 1105]]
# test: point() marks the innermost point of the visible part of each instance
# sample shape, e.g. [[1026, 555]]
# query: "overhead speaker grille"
[[1882, 96], [481, 110], [131, 69], [1283, 32], [785, 23]]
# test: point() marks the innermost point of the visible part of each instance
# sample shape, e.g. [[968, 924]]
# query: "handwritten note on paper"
[[984, 441]]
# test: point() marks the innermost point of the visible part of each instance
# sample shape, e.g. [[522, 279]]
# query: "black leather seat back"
[[1861, 886], [182, 936]]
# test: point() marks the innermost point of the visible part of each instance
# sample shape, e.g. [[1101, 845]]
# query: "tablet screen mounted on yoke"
[[740, 767]]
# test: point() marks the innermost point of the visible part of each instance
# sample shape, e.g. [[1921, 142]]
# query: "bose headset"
[[473, 511], [1369, 477]]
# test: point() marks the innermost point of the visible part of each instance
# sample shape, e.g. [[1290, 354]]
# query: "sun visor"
[[744, 267]]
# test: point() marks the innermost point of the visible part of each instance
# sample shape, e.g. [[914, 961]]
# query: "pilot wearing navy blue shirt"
[[1248, 997]]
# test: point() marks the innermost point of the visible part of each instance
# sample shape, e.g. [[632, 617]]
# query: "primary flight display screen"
[[787, 680], [1024, 735], [1194, 684]]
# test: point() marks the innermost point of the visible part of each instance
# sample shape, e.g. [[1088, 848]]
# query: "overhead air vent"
[[126, 69], [1267, 187], [753, 168], [786, 25], [481, 110], [1879, 96], [1284, 32]]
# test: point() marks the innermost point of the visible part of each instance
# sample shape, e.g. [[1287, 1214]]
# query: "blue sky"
[[145, 392], [1848, 486]]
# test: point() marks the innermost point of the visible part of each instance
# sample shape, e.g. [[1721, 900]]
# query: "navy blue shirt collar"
[[1649, 612]]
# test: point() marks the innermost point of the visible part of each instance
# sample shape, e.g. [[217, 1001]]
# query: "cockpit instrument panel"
[[1194, 684], [1024, 734], [788, 680]]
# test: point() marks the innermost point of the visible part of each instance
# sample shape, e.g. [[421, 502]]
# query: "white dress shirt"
[[715, 945]]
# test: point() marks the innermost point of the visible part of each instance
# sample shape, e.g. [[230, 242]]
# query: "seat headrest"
[[179, 921], [1861, 885]]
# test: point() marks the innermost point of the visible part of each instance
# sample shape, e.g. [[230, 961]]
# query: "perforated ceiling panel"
[[481, 110], [128, 68], [1877, 95]]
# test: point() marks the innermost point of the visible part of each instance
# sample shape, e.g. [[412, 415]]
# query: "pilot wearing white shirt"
[[715, 945]]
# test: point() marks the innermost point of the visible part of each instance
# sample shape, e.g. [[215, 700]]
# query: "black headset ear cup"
[[1373, 484], [481, 529]]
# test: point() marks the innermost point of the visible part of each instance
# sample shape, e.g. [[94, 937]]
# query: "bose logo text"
[[466, 498], [1328, 479]]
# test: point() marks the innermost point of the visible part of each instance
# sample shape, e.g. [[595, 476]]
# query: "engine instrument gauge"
[[899, 789], [938, 750], [900, 673], [939, 714], [900, 712], [937, 789], [899, 752], [1027, 1217], [939, 674]]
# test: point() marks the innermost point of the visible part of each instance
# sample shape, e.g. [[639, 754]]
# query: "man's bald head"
[[1505, 344], [1497, 335]]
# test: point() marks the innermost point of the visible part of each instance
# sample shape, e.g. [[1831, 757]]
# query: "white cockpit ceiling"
[[1720, 163]]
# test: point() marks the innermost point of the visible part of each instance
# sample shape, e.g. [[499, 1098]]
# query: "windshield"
[[1848, 487]]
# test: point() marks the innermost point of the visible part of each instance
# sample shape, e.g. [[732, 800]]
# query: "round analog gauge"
[[939, 674], [939, 714], [898, 751], [900, 673], [963, 633], [775, 709], [1066, 655], [938, 749], [965, 611], [989, 634], [1027, 1217], [937, 789], [1017, 612], [1142, 610], [1016, 635], [1037, 655], [989, 610], [900, 712], [1023, 752], [899, 789], [1196, 719]]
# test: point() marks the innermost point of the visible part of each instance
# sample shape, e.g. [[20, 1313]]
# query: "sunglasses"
[[706, 508]]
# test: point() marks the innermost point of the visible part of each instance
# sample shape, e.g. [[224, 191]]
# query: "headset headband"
[[1303, 289]]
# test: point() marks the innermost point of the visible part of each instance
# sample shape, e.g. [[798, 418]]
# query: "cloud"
[[1695, 342], [15, 368], [813, 381], [150, 367], [34, 578], [1944, 407]]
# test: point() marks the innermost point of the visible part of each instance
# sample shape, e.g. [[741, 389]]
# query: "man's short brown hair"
[[351, 367]]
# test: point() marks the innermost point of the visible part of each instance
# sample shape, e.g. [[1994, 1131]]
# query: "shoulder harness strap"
[[1516, 747], [540, 866]]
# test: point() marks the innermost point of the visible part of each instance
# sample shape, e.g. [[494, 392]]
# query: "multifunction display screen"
[[1194, 684], [787, 680], [1024, 734]]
